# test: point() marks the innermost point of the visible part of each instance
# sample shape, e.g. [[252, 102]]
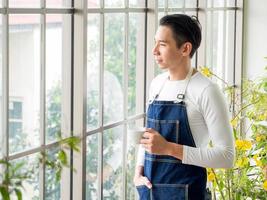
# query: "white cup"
[[135, 135]]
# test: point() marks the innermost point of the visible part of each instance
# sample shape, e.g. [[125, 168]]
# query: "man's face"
[[165, 51]]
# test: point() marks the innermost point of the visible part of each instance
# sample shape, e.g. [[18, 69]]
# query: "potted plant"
[[248, 178]]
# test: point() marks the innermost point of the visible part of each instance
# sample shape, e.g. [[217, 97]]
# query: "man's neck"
[[179, 72]]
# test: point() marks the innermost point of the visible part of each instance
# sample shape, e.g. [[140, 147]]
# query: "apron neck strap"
[[180, 96]]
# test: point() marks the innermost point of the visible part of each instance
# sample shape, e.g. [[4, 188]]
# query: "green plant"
[[11, 181], [248, 179], [60, 158]]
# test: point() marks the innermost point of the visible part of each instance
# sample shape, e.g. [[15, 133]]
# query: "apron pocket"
[[169, 129], [170, 192], [144, 192]]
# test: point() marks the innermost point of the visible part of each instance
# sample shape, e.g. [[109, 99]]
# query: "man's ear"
[[187, 48]]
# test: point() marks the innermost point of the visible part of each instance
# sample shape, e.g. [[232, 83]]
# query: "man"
[[186, 111]]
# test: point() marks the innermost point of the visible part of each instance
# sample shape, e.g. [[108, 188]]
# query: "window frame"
[[73, 184]]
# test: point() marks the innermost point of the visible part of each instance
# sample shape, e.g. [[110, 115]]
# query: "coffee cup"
[[135, 135]]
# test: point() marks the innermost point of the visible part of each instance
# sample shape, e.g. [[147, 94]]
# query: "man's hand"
[[154, 143], [139, 179]]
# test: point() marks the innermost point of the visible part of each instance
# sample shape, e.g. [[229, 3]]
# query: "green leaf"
[[235, 133], [4, 193], [62, 157], [71, 143], [58, 173], [4, 162], [18, 193], [17, 167]]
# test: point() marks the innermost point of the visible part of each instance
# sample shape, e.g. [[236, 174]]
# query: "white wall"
[[255, 38]]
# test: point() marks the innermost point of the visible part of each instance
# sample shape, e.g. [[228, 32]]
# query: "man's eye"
[[162, 44]]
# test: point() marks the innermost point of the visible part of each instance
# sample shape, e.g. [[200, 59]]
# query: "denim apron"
[[170, 178]]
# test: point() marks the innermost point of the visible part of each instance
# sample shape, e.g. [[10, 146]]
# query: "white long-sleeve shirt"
[[208, 118]]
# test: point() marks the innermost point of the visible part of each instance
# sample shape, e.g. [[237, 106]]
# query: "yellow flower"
[[242, 162], [209, 170], [256, 159], [258, 138], [264, 185], [243, 144], [261, 117], [234, 122], [239, 144], [211, 177], [206, 71], [258, 163], [247, 145]]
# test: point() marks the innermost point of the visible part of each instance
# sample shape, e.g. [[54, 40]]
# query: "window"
[[115, 95], [16, 126], [83, 68], [35, 86]]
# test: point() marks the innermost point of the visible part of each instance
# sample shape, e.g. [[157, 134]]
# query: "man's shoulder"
[[199, 83]]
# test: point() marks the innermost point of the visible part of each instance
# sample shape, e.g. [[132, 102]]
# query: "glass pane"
[[113, 61], [229, 45], [114, 3], [193, 60], [52, 186], [180, 12], [93, 67], [1, 92], [93, 3], [91, 167], [161, 3], [30, 167], [208, 45], [160, 15], [24, 82], [191, 13], [24, 4], [215, 46], [190, 3], [58, 38], [136, 64], [176, 3], [216, 3], [230, 3], [218, 42], [137, 3], [132, 151], [219, 3], [58, 3], [157, 70], [209, 3], [112, 163]]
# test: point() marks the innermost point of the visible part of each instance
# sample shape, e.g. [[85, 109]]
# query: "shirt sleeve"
[[140, 156], [214, 110]]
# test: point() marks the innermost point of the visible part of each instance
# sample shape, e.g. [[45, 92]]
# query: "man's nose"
[[155, 50]]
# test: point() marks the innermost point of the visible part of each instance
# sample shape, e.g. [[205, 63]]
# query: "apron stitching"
[[163, 160], [171, 185], [177, 131], [186, 192]]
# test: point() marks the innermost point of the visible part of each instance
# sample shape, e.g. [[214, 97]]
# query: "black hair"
[[184, 29]]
